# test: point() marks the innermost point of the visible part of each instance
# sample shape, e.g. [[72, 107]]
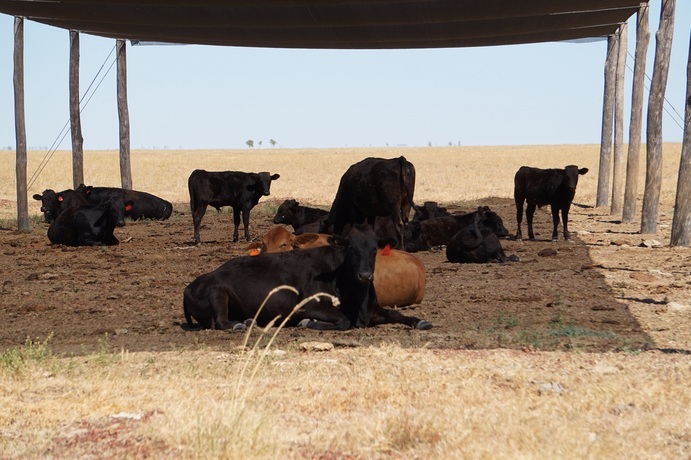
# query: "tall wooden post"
[[619, 158], [633, 156], [75, 119], [20, 126], [653, 169], [123, 113], [607, 122], [681, 223]]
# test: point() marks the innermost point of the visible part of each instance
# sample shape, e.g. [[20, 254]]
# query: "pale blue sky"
[[198, 97]]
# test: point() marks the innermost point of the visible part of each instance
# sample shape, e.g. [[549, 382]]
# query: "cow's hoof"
[[249, 322], [423, 325], [305, 323], [519, 239], [556, 240], [240, 327]]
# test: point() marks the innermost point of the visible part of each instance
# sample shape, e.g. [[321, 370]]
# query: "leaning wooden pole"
[[619, 158], [20, 126], [123, 113], [681, 223], [607, 122], [633, 154], [75, 118], [653, 168]]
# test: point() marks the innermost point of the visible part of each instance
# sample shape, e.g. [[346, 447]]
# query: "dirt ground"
[[602, 291]]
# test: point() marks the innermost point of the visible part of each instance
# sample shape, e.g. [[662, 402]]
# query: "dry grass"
[[444, 174], [378, 402]]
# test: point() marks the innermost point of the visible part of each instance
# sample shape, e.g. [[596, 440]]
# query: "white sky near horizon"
[[206, 97]]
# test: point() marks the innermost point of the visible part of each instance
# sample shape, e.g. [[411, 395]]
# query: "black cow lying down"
[[290, 212], [52, 203], [539, 187], [237, 189], [439, 230], [89, 224], [229, 296], [476, 244], [146, 205]]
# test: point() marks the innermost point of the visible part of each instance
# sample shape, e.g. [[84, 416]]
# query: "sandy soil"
[[601, 291]]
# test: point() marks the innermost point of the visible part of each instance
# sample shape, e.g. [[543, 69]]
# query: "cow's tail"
[[407, 176]]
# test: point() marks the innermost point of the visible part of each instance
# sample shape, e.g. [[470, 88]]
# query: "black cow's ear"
[[582, 171], [37, 197], [275, 176]]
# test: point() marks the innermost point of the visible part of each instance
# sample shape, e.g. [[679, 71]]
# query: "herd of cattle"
[[347, 267]]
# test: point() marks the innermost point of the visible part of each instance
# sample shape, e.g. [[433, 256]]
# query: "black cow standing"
[[239, 190], [540, 187], [52, 203], [476, 244], [231, 295], [89, 224], [290, 212], [146, 205], [370, 188]]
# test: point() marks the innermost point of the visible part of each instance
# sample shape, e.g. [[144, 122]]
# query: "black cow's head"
[[571, 174], [361, 251], [50, 204], [263, 185], [286, 212], [492, 221], [115, 210]]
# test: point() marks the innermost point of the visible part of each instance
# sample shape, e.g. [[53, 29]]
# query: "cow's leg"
[[529, 213], [382, 315], [565, 222], [197, 214], [555, 224], [323, 318], [519, 218], [236, 223], [218, 299], [246, 222]]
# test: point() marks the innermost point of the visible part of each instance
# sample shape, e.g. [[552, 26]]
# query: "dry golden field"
[[582, 355]]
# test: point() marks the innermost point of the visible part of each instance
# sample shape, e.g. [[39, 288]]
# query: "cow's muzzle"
[[365, 277]]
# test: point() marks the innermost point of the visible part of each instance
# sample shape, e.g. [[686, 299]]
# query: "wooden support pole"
[[123, 113], [656, 99], [20, 126], [633, 155], [619, 158], [607, 122], [681, 223], [75, 119]]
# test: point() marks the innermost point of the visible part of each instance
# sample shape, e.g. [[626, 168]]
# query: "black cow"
[[224, 299], [290, 212], [239, 190], [476, 244], [439, 230], [539, 187], [89, 224], [370, 188], [146, 205], [52, 204]]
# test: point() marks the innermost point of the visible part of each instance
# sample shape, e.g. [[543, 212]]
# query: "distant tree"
[[273, 143], [250, 143], [260, 144], [429, 144]]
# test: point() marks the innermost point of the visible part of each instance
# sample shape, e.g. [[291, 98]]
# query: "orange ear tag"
[[60, 198], [128, 207], [386, 251], [255, 252]]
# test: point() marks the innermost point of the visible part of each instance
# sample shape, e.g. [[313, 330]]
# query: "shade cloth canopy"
[[333, 24]]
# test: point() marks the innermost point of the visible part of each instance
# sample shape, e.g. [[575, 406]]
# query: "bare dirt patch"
[[599, 292]]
